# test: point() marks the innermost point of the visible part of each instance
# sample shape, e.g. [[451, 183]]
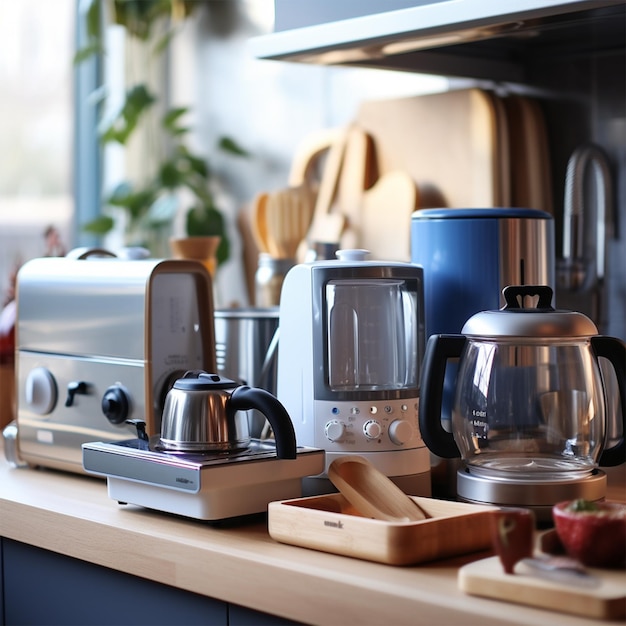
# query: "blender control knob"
[[400, 431], [334, 430], [372, 429], [116, 404]]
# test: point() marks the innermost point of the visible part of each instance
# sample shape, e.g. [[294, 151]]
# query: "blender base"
[[538, 495]]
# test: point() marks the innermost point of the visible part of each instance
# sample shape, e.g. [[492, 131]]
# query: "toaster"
[[99, 342]]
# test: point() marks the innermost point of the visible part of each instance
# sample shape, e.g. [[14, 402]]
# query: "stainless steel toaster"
[[99, 342]]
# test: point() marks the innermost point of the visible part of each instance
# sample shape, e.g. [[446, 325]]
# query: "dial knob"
[[372, 429], [116, 404], [400, 431], [41, 391], [334, 430]]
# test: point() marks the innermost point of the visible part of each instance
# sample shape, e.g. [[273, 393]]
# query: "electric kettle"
[[206, 412], [528, 415]]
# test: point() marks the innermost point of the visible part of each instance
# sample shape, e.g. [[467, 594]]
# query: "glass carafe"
[[529, 395], [529, 409]]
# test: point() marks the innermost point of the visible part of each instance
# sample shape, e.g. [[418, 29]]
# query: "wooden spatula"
[[371, 492]]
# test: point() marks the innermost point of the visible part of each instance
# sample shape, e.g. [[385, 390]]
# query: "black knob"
[[116, 404], [73, 388]]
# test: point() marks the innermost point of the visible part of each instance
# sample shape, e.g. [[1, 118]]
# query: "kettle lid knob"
[[198, 380]]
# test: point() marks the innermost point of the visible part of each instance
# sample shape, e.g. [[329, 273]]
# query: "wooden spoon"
[[371, 492], [258, 221]]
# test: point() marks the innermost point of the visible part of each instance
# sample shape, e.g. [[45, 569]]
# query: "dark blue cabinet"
[[42, 587]]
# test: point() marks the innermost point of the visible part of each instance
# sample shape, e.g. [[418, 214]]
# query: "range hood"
[[494, 39]]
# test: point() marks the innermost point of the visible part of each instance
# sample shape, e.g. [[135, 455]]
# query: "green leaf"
[[170, 121], [99, 226], [229, 145], [138, 100], [170, 174], [137, 203], [139, 16], [163, 42], [93, 20], [198, 165], [89, 50]]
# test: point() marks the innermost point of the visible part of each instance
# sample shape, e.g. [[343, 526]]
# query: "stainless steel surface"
[[440, 36], [243, 338], [201, 420], [246, 346], [206, 412], [9, 437], [526, 248], [99, 340], [207, 486], [588, 221], [537, 495], [574, 222], [268, 279]]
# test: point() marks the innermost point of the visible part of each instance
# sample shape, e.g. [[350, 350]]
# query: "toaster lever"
[[73, 388]]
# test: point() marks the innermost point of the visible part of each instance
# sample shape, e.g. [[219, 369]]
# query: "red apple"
[[592, 532]]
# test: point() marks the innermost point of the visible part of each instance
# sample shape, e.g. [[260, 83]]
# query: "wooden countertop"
[[73, 515]]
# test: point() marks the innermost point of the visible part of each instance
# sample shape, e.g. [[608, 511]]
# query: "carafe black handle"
[[245, 398], [614, 351], [439, 349]]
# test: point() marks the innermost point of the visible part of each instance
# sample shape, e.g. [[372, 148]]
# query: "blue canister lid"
[[495, 212]]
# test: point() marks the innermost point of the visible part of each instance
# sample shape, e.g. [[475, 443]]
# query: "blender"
[[351, 344]]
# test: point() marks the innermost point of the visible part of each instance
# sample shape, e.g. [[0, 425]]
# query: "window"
[[37, 41]]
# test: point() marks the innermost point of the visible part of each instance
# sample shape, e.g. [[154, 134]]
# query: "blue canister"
[[469, 256]]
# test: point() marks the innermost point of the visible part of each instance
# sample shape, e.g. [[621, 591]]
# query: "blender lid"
[[529, 313]]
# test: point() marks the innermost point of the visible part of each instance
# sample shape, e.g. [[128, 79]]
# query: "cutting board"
[[607, 601], [447, 141], [385, 220], [530, 157]]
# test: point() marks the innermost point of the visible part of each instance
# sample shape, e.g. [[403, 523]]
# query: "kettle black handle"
[[439, 349], [245, 398], [614, 351]]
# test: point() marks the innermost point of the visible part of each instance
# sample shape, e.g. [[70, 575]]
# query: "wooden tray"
[[330, 524], [486, 578]]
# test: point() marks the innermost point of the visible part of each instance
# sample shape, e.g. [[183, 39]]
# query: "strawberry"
[[592, 532]]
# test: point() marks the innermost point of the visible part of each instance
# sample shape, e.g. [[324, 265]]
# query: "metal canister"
[[269, 279], [245, 345]]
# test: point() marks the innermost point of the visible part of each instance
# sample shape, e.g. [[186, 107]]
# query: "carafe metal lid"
[[199, 380], [529, 313]]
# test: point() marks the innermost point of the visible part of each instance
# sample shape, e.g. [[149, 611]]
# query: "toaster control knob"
[[334, 430], [372, 429], [400, 431], [116, 404], [40, 391]]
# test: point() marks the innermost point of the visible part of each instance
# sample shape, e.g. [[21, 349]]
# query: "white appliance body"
[[349, 355]]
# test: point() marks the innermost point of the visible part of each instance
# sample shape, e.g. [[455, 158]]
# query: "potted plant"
[[176, 173]]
